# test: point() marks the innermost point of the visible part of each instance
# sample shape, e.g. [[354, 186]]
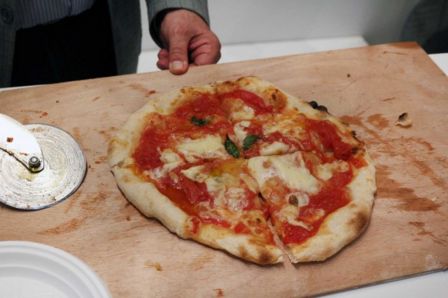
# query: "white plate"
[[34, 270]]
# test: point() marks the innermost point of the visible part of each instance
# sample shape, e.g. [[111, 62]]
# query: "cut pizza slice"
[[234, 207], [215, 203], [316, 208]]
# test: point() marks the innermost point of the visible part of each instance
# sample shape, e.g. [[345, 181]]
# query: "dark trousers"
[[75, 48]]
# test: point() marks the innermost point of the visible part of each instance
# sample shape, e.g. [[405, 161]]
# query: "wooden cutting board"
[[368, 87]]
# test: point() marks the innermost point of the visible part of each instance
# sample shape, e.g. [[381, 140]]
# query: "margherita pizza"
[[244, 167]]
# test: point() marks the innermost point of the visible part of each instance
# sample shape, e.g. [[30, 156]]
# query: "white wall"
[[244, 21]]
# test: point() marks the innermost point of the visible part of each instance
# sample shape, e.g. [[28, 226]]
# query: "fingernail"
[[177, 65]]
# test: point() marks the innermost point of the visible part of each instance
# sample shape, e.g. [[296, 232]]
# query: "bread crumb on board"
[[404, 120], [155, 265]]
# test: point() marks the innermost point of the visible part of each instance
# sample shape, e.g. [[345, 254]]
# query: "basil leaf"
[[198, 121], [231, 148], [249, 141]]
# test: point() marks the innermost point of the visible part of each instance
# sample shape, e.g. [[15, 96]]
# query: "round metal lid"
[[64, 170]]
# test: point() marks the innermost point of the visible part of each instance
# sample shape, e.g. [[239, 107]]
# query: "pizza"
[[246, 168]]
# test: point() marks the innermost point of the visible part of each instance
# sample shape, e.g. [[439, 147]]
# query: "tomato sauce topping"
[[241, 228], [331, 197], [205, 114], [215, 221], [202, 106], [329, 138], [251, 99], [208, 114], [147, 155]]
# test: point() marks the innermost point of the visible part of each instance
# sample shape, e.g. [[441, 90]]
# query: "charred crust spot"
[[9, 139], [322, 109], [228, 83], [244, 81], [277, 98], [317, 106], [264, 257], [227, 86], [313, 104], [243, 252], [189, 93], [354, 135], [359, 222], [276, 95]]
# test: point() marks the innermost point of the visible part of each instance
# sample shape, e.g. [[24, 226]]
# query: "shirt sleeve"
[[158, 8]]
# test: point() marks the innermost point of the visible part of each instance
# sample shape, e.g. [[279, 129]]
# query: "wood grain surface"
[[137, 257]]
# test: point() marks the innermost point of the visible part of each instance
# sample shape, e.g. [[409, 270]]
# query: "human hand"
[[187, 39]]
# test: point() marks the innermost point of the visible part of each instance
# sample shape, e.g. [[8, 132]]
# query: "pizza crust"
[[240, 245], [146, 198], [123, 143]]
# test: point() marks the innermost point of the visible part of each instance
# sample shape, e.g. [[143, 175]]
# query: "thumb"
[[178, 54]]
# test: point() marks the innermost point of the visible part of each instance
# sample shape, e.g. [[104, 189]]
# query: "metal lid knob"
[[35, 164]]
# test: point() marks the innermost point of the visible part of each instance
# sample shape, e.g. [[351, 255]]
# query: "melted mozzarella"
[[224, 187], [168, 156], [286, 126], [214, 184], [315, 214], [170, 161], [211, 146], [241, 112], [216, 188], [274, 148], [250, 182], [235, 198], [195, 174], [289, 214], [290, 169], [240, 130], [325, 171]]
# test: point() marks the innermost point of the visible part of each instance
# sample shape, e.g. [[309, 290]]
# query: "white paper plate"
[[34, 270]]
